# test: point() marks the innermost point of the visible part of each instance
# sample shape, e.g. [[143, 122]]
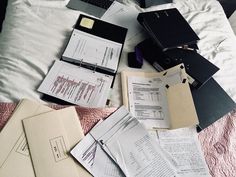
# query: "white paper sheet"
[[184, 148], [147, 101], [90, 154], [131, 147], [77, 85], [93, 50], [148, 98], [124, 16]]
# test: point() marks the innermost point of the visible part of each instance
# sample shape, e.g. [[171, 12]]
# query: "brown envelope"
[[181, 107], [50, 137], [14, 155]]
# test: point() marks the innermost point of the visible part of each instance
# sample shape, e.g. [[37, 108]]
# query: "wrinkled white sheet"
[[35, 33], [232, 21]]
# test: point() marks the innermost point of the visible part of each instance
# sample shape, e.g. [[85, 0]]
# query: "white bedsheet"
[[35, 33]]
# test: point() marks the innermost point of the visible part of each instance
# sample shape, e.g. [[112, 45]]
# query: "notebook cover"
[[149, 3], [211, 103], [168, 28], [103, 29], [199, 68]]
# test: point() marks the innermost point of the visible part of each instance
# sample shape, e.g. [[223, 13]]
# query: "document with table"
[[159, 100], [70, 83]]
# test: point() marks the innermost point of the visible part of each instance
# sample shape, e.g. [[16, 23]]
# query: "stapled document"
[[128, 143]]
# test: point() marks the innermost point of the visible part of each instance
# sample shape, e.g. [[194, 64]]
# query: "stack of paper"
[[39, 140], [50, 136], [121, 146], [127, 145]]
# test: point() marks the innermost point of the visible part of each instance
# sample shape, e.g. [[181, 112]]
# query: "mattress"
[[35, 32]]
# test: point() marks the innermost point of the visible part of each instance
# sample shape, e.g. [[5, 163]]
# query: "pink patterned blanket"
[[218, 141]]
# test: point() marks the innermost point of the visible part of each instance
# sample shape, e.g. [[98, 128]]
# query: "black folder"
[[197, 67], [149, 3], [168, 28], [98, 29], [211, 103]]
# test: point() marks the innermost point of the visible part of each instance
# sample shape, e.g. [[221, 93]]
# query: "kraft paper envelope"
[[50, 137], [14, 155], [180, 105]]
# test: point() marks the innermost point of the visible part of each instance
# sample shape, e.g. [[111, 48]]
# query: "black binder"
[[168, 28], [211, 103], [102, 30], [149, 3], [197, 67]]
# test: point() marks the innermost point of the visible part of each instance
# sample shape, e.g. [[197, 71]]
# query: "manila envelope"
[[181, 109], [14, 155], [50, 137]]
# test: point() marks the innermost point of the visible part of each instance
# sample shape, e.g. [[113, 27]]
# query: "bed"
[[35, 32]]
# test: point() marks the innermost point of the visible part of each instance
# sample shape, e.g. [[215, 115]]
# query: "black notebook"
[[198, 68], [95, 44], [211, 103], [168, 28]]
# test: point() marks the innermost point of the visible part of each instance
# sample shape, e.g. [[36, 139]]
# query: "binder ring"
[[81, 62], [95, 67], [166, 13]]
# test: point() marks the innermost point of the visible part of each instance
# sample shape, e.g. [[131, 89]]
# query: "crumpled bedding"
[[218, 141], [35, 33], [219, 144], [88, 116]]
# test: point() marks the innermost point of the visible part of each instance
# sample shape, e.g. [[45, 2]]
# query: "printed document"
[[130, 146], [93, 50], [148, 101], [77, 85], [148, 98], [184, 147], [159, 99], [124, 16], [90, 154]]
